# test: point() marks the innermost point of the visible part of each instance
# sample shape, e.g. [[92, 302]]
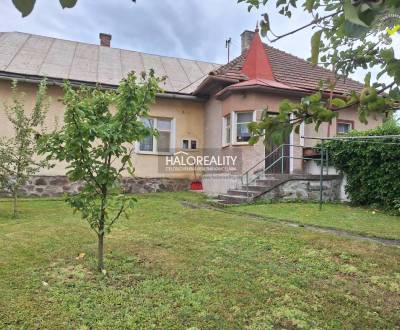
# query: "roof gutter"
[[228, 91], [178, 96], [210, 79], [32, 79]]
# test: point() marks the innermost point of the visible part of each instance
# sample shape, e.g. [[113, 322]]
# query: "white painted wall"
[[215, 184], [311, 167], [343, 196]]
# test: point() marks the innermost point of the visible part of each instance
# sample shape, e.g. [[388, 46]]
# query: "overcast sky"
[[194, 29]]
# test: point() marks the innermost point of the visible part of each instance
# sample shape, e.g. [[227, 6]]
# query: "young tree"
[[18, 154], [97, 142], [349, 35]]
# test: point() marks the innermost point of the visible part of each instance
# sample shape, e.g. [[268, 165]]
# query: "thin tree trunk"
[[15, 196], [100, 252], [100, 235], [101, 227]]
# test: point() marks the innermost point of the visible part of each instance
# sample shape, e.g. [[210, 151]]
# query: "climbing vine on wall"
[[372, 168]]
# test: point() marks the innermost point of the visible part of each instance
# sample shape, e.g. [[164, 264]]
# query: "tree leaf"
[[353, 30], [265, 25], [367, 79], [309, 5], [352, 13], [338, 103], [393, 31], [280, 3], [24, 6], [68, 3], [315, 47]]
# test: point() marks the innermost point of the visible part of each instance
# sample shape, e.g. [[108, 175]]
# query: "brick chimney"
[[105, 39], [247, 38]]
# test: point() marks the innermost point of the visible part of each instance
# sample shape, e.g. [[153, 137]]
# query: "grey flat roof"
[[34, 55]]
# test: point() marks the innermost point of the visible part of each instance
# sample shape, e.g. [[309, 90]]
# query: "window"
[[243, 119], [147, 143], [344, 127], [193, 144], [227, 130], [189, 144], [235, 127], [185, 144], [161, 143], [164, 137]]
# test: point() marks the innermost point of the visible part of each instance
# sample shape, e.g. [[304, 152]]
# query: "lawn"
[[358, 220], [173, 266]]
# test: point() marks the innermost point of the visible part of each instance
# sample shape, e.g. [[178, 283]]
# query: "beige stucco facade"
[[187, 115], [201, 121], [205, 110], [216, 109]]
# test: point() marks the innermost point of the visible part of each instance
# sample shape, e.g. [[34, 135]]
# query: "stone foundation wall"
[[307, 190], [53, 186]]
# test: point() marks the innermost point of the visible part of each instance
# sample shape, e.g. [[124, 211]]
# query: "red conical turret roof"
[[257, 65]]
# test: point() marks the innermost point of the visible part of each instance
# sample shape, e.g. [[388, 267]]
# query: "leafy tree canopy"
[[97, 142], [18, 153], [348, 35]]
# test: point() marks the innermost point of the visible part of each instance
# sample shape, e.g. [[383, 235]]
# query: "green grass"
[[176, 267], [358, 220]]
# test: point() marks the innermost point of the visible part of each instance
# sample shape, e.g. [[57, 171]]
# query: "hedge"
[[372, 168]]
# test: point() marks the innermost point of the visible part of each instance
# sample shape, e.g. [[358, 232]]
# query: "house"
[[204, 110]]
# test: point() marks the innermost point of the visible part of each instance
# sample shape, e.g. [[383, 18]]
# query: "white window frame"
[[291, 148], [190, 144], [172, 139], [234, 127], [224, 128], [188, 141], [302, 133], [344, 122]]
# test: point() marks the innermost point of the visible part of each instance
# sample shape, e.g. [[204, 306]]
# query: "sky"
[[193, 29]]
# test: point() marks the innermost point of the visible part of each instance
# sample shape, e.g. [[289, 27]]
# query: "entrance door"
[[277, 168]]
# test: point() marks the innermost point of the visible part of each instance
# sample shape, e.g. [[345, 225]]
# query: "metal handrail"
[[246, 174], [263, 160], [276, 162], [271, 153], [281, 158], [267, 169]]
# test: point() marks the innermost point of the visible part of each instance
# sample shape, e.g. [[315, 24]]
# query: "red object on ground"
[[196, 185]]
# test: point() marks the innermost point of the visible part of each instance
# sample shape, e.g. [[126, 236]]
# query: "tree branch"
[[313, 22]]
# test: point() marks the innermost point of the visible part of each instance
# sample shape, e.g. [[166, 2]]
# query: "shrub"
[[372, 168]]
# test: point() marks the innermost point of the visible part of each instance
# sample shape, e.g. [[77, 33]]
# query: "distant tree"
[[18, 154], [97, 142], [25, 7], [348, 35]]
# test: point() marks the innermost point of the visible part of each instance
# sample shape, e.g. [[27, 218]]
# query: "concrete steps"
[[261, 186], [233, 199], [242, 192], [245, 194]]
